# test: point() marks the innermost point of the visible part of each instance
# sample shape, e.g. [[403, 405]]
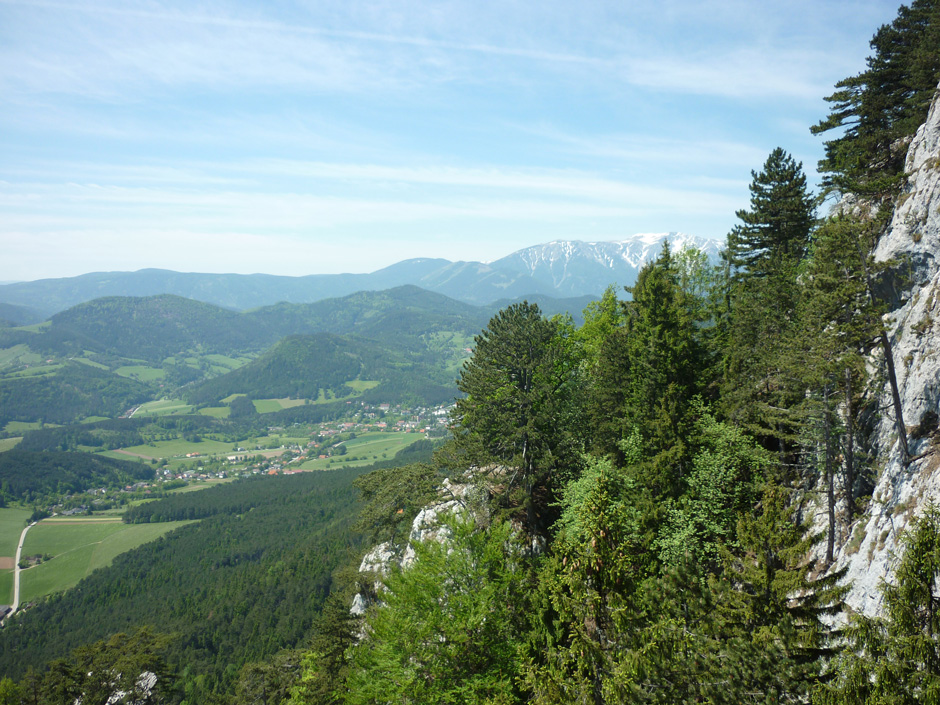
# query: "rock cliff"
[[455, 499], [870, 546]]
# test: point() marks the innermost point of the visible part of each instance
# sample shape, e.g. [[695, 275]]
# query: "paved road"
[[16, 570]]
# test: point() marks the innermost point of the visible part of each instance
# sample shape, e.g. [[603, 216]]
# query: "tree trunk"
[[849, 448], [830, 489], [896, 398], [889, 362]]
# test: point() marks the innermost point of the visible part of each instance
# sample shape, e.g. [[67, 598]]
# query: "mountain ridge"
[[559, 269]]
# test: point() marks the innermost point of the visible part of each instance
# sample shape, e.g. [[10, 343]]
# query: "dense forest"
[[75, 391], [640, 529], [237, 587], [26, 475]]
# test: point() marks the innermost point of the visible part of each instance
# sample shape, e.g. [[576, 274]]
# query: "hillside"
[[265, 557], [326, 366], [27, 475], [103, 357], [152, 328], [69, 392]]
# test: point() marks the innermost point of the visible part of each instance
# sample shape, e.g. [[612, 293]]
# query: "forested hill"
[[151, 328], [326, 366], [156, 327], [25, 475], [73, 391]]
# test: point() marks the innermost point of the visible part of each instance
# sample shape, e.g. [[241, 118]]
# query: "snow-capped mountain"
[[573, 267], [561, 269]]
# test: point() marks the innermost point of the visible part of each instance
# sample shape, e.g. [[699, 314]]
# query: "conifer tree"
[[895, 659], [784, 605], [774, 234], [648, 376], [764, 254], [518, 389], [880, 107]]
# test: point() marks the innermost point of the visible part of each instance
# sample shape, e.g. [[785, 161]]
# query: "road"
[[16, 570]]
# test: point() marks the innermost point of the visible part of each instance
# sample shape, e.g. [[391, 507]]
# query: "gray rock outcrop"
[[871, 546], [455, 499]]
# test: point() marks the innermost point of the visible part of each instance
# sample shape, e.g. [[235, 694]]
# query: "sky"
[[343, 136]]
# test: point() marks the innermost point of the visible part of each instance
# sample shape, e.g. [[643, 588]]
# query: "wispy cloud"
[[395, 127], [132, 46]]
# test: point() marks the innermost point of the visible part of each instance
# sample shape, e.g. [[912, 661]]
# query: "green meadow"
[[12, 523], [18, 354], [365, 449], [218, 412], [173, 448], [23, 426], [79, 546], [7, 443], [91, 363], [141, 373], [164, 407], [6, 587], [266, 406]]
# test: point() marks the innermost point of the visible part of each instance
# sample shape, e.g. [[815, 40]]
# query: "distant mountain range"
[[560, 269]]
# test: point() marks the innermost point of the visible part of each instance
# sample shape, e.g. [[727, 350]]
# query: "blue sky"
[[313, 137]]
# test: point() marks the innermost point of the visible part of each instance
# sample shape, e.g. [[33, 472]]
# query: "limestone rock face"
[[871, 546], [466, 499]]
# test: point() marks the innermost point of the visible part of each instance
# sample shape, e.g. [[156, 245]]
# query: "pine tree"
[[774, 235], [764, 256], [882, 106], [516, 411]]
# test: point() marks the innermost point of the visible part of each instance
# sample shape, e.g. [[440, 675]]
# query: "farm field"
[[78, 546], [217, 412], [164, 407], [142, 373], [173, 449], [266, 406], [202, 485], [6, 587], [12, 523], [365, 449], [19, 354], [91, 363], [220, 364], [7, 443]]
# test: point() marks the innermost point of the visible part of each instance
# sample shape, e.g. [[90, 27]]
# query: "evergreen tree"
[[786, 604], [895, 659], [648, 375], [517, 408], [764, 255], [885, 104], [774, 234]]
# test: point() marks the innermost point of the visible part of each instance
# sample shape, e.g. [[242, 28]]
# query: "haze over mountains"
[[559, 269]]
